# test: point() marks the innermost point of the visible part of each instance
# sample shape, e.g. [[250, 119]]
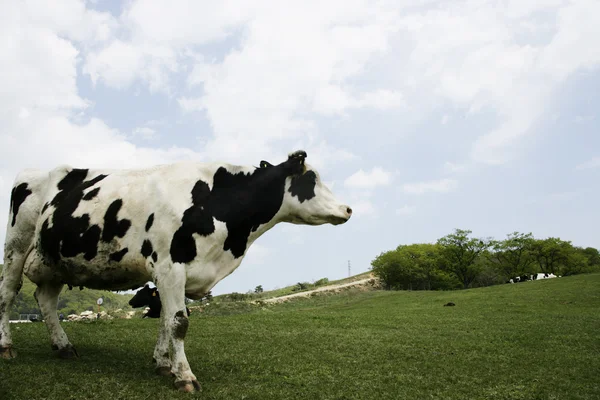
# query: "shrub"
[[321, 282]]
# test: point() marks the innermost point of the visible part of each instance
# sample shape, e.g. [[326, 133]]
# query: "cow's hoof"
[[7, 352], [163, 371], [188, 386], [68, 353]]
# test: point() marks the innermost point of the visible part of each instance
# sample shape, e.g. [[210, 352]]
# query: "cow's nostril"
[[349, 211]]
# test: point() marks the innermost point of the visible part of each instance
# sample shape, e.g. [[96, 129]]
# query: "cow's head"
[[307, 200], [143, 297]]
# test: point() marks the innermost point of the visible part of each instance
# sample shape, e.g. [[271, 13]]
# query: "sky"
[[424, 116]]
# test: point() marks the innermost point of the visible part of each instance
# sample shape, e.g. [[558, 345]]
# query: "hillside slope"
[[535, 340]]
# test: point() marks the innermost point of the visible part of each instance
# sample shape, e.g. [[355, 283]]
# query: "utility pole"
[[349, 269]]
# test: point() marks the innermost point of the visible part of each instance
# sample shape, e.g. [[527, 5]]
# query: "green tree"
[[489, 273], [258, 289], [513, 256], [551, 254], [593, 257], [412, 267], [460, 253]]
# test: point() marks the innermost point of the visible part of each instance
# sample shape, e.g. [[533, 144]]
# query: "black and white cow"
[[150, 297], [184, 226]]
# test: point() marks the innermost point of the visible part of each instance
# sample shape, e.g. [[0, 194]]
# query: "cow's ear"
[[295, 162], [265, 164]]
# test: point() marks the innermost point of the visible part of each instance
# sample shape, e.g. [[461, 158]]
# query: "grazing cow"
[[524, 278], [150, 297], [544, 275], [184, 226]]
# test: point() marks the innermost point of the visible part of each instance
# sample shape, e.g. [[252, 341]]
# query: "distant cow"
[[545, 275], [150, 297], [524, 278], [183, 226]]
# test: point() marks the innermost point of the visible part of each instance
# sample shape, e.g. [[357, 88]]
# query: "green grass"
[[534, 340]]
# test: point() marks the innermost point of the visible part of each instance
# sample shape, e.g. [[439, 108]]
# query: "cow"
[[525, 278], [150, 297], [184, 226]]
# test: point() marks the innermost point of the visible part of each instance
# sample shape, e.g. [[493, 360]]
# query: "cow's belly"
[[201, 277], [77, 271]]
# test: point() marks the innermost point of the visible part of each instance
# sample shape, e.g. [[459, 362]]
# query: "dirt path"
[[321, 289]]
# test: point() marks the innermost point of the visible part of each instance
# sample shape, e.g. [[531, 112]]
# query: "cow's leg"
[[47, 298], [10, 285], [161, 351], [171, 286]]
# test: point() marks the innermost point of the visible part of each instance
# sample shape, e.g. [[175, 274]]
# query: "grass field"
[[534, 340]]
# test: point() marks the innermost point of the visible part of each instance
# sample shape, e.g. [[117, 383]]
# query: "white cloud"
[[182, 23], [406, 210], [504, 58], [332, 99], [117, 64], [145, 133], [368, 180], [593, 163], [382, 99], [437, 186], [290, 64]]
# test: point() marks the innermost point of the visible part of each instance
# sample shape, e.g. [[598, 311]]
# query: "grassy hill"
[[69, 302], [534, 340], [293, 288]]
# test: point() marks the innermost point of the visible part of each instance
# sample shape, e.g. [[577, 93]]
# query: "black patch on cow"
[[69, 235], [112, 226], [45, 207], [154, 257], [118, 256], [243, 201], [147, 248], [91, 194], [181, 325], [303, 186], [17, 197], [149, 222]]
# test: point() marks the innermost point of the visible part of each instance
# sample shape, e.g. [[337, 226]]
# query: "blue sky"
[[424, 116]]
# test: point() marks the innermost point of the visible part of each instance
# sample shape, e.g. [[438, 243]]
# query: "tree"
[[258, 289], [512, 255], [593, 257], [460, 253], [551, 253], [412, 267]]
